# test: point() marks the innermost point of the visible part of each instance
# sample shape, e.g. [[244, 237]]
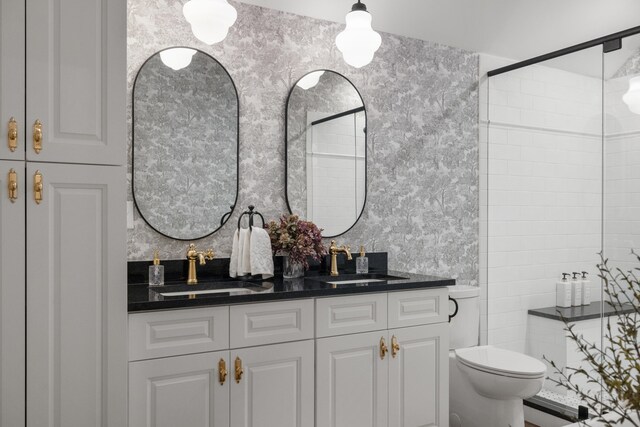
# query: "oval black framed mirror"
[[326, 151], [185, 143]]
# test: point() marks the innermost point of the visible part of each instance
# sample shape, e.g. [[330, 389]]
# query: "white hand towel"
[[260, 253], [233, 262], [244, 260]]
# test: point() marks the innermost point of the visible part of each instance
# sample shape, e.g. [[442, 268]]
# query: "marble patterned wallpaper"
[[422, 105]]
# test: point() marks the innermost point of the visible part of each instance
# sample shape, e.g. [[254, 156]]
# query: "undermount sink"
[[354, 279], [213, 289]]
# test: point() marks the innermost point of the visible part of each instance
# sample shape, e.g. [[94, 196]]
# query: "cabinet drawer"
[[350, 315], [270, 323], [413, 308], [172, 333]]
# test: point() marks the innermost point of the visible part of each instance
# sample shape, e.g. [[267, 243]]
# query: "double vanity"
[[350, 350], [324, 350]]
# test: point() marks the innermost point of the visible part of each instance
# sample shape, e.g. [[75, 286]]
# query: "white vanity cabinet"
[[265, 384], [298, 363], [180, 391], [386, 377], [63, 81]]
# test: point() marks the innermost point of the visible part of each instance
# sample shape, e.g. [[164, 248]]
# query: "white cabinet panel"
[[76, 80], [422, 307], [76, 297], [276, 387], [419, 377], [178, 332], [351, 314], [270, 323], [12, 59], [12, 296], [351, 381], [179, 391]]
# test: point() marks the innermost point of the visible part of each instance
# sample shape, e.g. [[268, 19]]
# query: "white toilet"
[[486, 384]]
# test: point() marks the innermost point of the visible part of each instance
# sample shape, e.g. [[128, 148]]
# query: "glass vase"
[[291, 269]]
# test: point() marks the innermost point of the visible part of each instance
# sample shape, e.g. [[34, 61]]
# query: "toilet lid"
[[502, 362]]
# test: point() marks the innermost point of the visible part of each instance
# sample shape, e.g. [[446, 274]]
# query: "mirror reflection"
[[326, 151], [185, 143]]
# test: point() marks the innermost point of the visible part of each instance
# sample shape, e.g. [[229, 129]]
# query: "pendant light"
[[210, 19], [177, 58], [632, 96], [358, 42]]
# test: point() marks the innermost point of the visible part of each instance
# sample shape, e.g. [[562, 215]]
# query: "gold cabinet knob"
[[383, 348], [13, 185], [37, 136], [222, 371], [239, 370], [38, 187], [12, 134], [395, 346]]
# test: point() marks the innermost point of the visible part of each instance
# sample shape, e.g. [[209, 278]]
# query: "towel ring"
[[251, 213]]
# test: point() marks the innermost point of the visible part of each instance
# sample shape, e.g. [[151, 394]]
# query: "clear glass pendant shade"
[[632, 96], [177, 58], [210, 19], [358, 42]]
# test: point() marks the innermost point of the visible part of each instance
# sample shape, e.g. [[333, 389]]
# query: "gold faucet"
[[334, 251], [192, 256]]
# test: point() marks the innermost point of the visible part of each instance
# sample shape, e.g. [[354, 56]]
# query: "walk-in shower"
[[560, 184]]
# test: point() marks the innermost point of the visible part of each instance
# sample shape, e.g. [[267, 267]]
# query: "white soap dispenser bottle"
[[576, 290], [563, 292], [586, 289]]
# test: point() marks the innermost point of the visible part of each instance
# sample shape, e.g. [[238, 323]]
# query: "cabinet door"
[[76, 80], [276, 386], [419, 376], [180, 391], [352, 381], [12, 76], [12, 290], [76, 297]]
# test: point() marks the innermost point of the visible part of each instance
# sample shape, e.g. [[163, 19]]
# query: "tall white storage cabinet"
[[63, 248]]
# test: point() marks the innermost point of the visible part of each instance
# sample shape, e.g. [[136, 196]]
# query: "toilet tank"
[[464, 328]]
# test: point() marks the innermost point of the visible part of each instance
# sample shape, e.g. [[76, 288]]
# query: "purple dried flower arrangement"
[[297, 238]]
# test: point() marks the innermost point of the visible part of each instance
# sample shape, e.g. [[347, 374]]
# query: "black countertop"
[[581, 312], [144, 298]]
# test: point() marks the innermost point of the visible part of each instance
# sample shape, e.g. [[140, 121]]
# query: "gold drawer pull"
[[38, 187], [395, 347], [37, 136], [13, 186], [239, 370], [12, 135], [222, 371], [383, 348]]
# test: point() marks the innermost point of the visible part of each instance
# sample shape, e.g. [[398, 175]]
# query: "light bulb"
[[310, 80], [177, 58], [632, 96], [358, 42], [210, 19]]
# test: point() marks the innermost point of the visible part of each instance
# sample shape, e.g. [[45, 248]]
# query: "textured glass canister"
[[291, 269]]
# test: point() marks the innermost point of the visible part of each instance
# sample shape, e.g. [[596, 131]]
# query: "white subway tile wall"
[[541, 190], [622, 177]]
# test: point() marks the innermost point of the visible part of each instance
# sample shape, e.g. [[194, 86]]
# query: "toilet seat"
[[501, 362]]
